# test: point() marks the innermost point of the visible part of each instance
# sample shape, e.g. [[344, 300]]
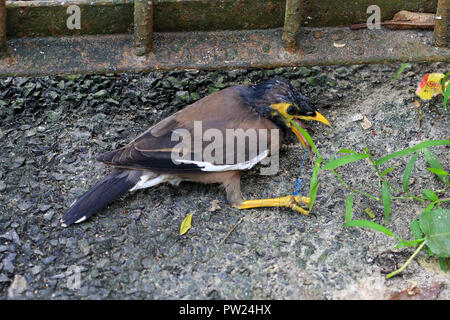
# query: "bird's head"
[[281, 102]]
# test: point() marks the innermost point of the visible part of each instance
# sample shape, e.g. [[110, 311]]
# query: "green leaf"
[[386, 197], [435, 225], [306, 136], [370, 225], [438, 171], [443, 264], [403, 243], [385, 172], [407, 173], [445, 91], [430, 195], [344, 160], [419, 146], [415, 229], [349, 208], [346, 151], [399, 71], [186, 224], [430, 207], [434, 163], [314, 183]]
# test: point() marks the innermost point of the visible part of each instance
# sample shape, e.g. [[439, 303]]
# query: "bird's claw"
[[295, 203]]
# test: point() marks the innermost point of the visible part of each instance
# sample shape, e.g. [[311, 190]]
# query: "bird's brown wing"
[[156, 148]]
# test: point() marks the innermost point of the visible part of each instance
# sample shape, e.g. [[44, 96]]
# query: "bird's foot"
[[293, 202]]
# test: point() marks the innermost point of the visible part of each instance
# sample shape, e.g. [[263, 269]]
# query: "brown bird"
[[211, 141]]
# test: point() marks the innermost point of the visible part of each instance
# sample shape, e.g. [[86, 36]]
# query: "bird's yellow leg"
[[292, 202]]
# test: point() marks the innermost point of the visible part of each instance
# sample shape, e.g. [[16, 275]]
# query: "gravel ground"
[[52, 128]]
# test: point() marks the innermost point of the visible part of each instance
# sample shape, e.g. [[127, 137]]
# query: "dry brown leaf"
[[416, 293], [366, 124], [405, 20], [411, 20]]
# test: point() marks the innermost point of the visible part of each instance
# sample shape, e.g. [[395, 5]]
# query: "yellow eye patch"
[[281, 108]]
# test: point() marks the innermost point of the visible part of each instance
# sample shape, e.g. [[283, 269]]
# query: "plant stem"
[[392, 274], [353, 189], [402, 198], [410, 196]]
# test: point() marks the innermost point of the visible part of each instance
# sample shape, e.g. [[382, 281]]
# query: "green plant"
[[445, 90], [432, 229]]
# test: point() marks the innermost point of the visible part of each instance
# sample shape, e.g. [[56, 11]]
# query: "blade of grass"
[[415, 229], [430, 195], [371, 225], [438, 171], [346, 151], [399, 71], [445, 91], [385, 172], [408, 169], [386, 198], [446, 96], [403, 243], [403, 153], [434, 163], [443, 264], [349, 208], [430, 207], [306, 136], [314, 183], [344, 160]]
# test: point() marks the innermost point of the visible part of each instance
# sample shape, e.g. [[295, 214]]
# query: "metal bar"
[[215, 50], [143, 26], [442, 26], [48, 18], [292, 24], [2, 27]]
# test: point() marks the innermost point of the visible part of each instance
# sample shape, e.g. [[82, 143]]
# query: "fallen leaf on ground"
[[186, 224], [366, 124], [416, 293], [409, 20]]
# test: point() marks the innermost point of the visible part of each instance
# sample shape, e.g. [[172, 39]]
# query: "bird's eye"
[[292, 110]]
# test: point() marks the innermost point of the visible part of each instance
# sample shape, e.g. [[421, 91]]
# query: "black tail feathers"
[[108, 189]]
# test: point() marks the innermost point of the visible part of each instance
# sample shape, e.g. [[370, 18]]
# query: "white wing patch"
[[146, 183], [207, 166]]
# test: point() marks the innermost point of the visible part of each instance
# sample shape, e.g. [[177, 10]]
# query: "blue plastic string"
[[299, 182]]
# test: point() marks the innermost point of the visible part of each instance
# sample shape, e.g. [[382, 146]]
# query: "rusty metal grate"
[[141, 35]]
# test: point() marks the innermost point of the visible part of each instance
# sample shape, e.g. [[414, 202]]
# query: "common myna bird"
[[158, 156]]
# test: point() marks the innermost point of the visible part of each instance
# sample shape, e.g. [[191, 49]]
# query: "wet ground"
[[52, 128]]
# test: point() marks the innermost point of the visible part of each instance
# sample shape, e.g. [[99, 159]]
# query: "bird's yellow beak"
[[316, 117], [282, 109]]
